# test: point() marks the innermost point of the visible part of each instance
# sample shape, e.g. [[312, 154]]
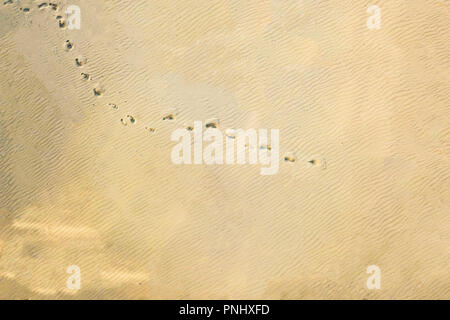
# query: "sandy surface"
[[364, 117]]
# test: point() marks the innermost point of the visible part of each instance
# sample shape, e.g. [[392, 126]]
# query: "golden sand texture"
[[86, 177]]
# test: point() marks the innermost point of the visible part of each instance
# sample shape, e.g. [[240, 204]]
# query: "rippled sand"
[[86, 177]]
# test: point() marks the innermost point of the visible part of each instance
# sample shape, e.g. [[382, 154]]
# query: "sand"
[[86, 176]]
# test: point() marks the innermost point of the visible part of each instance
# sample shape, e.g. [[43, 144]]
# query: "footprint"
[[80, 61], [62, 23], [54, 6], [169, 117], [69, 45], [131, 118]]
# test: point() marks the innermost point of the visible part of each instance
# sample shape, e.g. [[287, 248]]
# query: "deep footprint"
[[69, 45]]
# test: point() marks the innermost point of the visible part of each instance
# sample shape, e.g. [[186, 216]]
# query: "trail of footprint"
[[43, 5], [318, 161], [98, 91], [169, 117]]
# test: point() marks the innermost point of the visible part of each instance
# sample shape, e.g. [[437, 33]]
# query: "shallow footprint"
[[131, 119], [68, 45], [98, 92], [128, 120], [318, 161], [212, 123], [169, 117], [86, 76]]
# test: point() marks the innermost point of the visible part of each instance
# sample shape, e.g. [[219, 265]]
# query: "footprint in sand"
[[169, 117], [61, 23], [54, 6], [80, 61], [131, 119], [212, 123], [98, 92], [68, 45], [318, 161], [86, 76], [51, 5]]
